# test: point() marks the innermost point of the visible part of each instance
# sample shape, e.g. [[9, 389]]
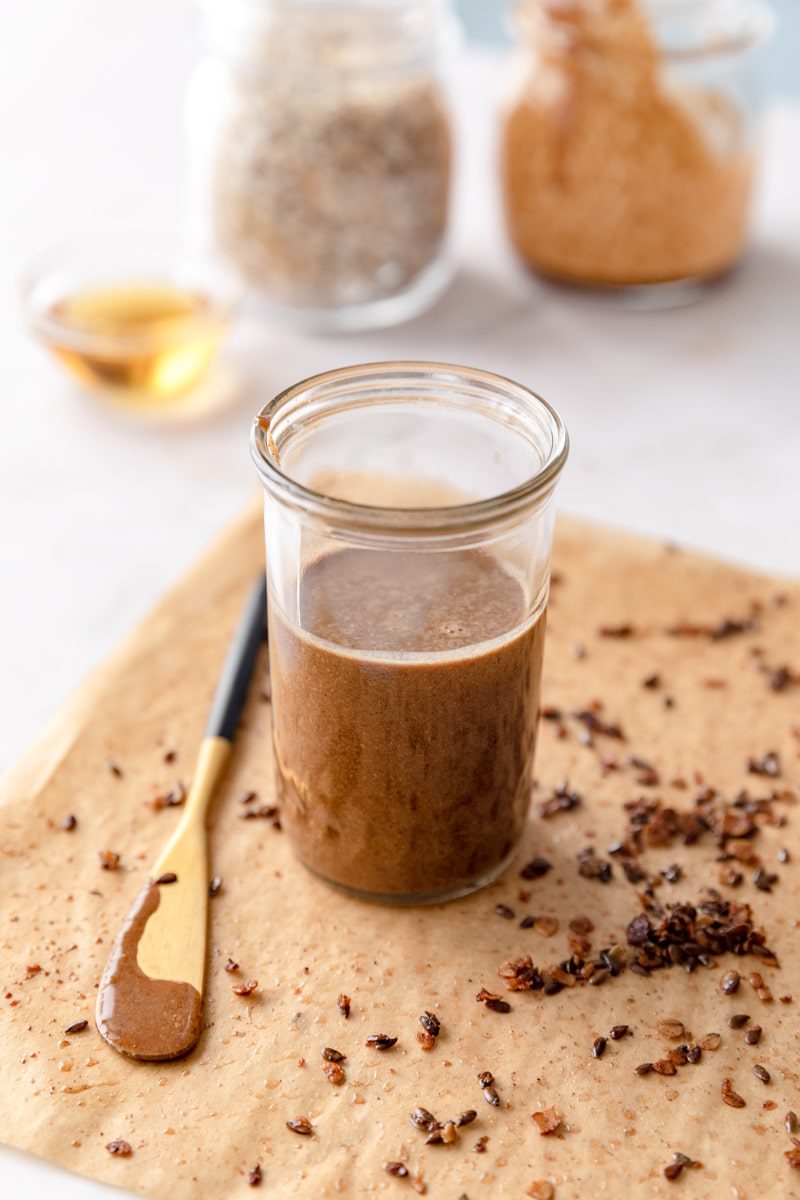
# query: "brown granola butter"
[[615, 173]]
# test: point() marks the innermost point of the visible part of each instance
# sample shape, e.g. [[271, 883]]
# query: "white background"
[[684, 424]]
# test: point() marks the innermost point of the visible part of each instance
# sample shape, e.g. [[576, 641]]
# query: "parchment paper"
[[198, 1126]]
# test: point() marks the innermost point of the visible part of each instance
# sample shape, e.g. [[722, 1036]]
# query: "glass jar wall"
[[628, 153], [409, 524], [322, 148]]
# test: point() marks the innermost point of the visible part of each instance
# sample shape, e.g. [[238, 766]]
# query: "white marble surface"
[[684, 424]]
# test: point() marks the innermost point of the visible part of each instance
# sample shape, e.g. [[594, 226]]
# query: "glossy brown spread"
[[406, 774], [139, 1016]]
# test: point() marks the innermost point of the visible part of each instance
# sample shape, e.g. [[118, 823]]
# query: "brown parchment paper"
[[197, 1126]]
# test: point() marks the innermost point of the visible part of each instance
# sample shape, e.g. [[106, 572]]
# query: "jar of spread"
[[322, 150], [628, 151], [409, 523]]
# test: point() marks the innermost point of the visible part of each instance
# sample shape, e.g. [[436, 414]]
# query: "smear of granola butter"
[[141, 1017]]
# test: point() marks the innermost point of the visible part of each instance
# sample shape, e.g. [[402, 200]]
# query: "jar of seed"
[[628, 142], [322, 150]]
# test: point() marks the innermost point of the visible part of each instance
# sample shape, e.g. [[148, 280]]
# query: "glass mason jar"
[[628, 153], [409, 525], [322, 154]]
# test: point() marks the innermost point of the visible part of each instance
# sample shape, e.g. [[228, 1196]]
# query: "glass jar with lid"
[[628, 148], [322, 154]]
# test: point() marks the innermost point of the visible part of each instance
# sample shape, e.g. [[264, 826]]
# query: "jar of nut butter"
[[409, 521], [322, 154], [628, 140]]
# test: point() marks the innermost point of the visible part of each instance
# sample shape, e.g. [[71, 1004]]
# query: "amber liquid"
[[149, 343]]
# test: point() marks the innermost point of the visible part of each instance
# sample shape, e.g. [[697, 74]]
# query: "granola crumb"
[[547, 1121]]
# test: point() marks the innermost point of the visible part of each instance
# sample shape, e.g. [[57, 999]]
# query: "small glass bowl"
[[137, 317]]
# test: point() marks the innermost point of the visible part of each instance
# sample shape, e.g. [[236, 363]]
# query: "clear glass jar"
[[628, 153], [322, 154], [409, 528]]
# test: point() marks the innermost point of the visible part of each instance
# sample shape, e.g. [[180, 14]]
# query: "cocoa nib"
[[780, 678], [731, 1097], [343, 1004], [215, 886], [300, 1125], [592, 867], [264, 812], [171, 799], [109, 860], [380, 1041], [724, 628], [769, 764], [647, 775], [254, 1175], [76, 1027], [592, 723], [430, 1023], [730, 982], [561, 800], [423, 1119], [678, 1164], [70, 822], [494, 1002], [120, 1148], [535, 868]]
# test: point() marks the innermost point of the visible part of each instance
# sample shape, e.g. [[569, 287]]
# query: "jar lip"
[[757, 25], [414, 28], [398, 521]]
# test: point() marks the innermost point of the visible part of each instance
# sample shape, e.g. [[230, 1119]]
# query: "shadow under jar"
[[628, 154], [409, 524], [322, 148]]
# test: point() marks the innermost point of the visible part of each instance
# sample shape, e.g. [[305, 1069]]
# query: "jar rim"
[[233, 28], [446, 519], [756, 18]]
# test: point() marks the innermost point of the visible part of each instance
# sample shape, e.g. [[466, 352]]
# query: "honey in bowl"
[[138, 317], [151, 341]]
